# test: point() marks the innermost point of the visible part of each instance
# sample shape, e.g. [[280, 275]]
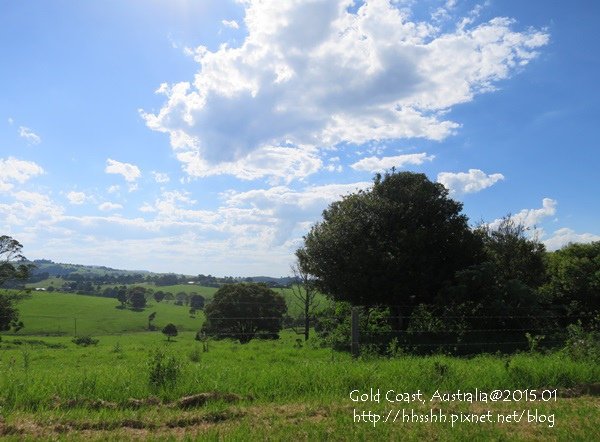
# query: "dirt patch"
[[200, 399], [92, 404], [140, 403], [580, 390]]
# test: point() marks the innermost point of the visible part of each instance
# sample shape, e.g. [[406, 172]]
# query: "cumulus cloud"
[[30, 136], [15, 170], [107, 206], [286, 210], [352, 76], [564, 236], [375, 164], [160, 177], [530, 218], [129, 171], [471, 182], [230, 24], [29, 208], [76, 197]]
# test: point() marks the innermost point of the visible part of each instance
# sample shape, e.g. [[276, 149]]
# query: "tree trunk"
[[306, 318]]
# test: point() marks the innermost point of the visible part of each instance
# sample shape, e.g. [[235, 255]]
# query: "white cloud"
[[10, 121], [30, 208], [76, 197], [113, 189], [349, 77], [129, 171], [471, 182], [530, 218], [12, 169], [564, 236], [147, 208], [30, 136], [286, 210], [230, 24], [160, 177], [279, 163], [375, 164], [107, 206]]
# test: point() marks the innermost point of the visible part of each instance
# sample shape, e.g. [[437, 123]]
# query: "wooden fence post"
[[355, 332]]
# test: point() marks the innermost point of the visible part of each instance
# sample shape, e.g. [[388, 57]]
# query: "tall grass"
[[34, 376]]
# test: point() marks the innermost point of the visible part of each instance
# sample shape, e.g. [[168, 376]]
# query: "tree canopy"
[[394, 244], [574, 279], [10, 272], [244, 311]]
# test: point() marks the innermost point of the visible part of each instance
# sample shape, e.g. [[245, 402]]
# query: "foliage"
[[395, 244], [163, 370], [151, 318], [137, 297], [305, 292], [85, 341], [512, 254], [244, 311], [573, 285], [584, 344], [333, 327], [197, 302], [10, 254], [170, 331], [10, 275], [159, 295]]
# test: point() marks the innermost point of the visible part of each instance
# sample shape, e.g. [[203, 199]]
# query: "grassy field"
[[59, 313], [131, 384]]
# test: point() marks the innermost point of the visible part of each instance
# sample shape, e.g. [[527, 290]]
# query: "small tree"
[[244, 311], [122, 297], [305, 292], [181, 298], [159, 295], [151, 317], [170, 331], [197, 302], [137, 297]]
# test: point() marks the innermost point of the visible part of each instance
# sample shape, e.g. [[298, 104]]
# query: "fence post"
[[355, 332]]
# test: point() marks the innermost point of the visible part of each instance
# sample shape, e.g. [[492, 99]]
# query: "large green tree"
[[395, 244], [244, 311]]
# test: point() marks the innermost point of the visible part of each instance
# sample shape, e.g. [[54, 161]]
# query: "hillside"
[[59, 313]]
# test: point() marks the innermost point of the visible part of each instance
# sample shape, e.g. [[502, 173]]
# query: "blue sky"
[[208, 136]]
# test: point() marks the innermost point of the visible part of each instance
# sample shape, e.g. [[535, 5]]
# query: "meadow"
[[137, 384]]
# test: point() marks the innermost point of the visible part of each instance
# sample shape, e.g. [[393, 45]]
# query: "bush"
[[85, 341], [163, 370], [582, 344]]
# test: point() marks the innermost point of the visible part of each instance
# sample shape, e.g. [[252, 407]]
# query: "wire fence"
[[473, 334]]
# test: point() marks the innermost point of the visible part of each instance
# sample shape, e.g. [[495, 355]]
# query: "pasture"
[[131, 385]]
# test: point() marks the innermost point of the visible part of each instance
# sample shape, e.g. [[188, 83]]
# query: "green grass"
[[297, 392], [51, 388], [59, 313]]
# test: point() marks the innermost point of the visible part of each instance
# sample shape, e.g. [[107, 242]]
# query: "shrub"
[[163, 370], [170, 331], [85, 341]]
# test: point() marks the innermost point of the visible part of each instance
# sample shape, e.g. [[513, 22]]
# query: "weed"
[[163, 370], [194, 355]]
